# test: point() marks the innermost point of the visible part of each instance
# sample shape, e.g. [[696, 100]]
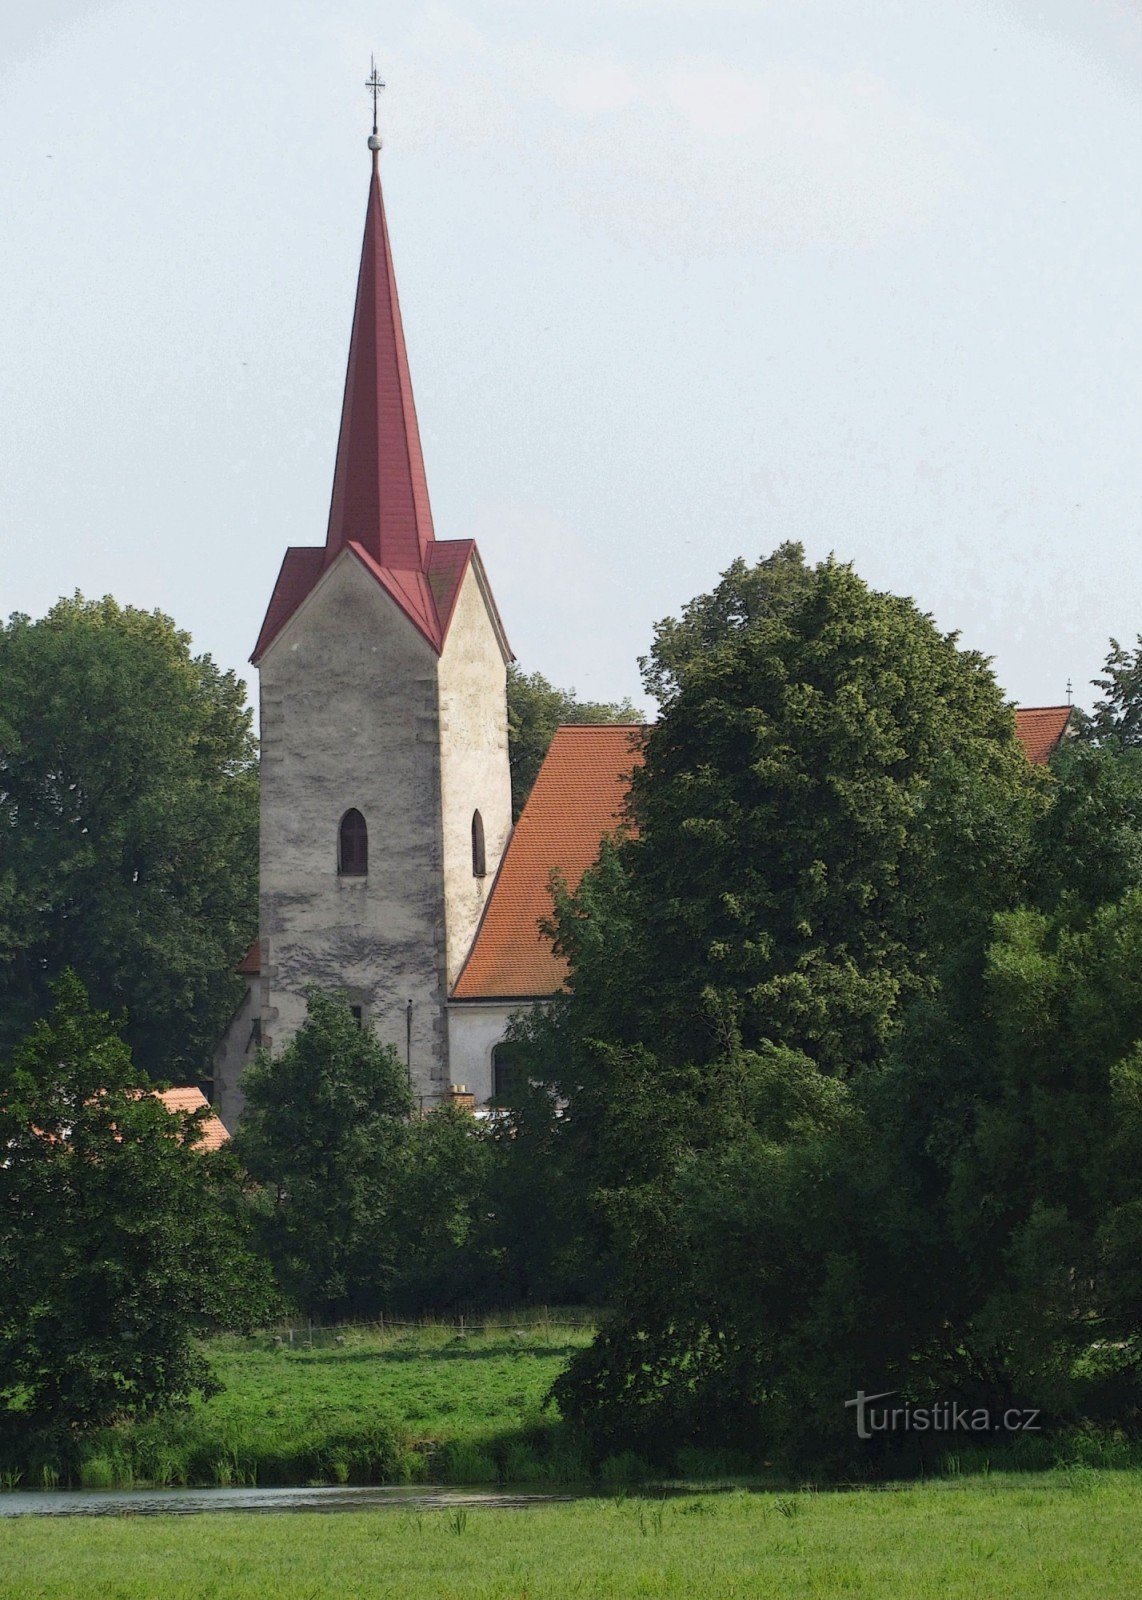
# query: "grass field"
[[1074, 1534], [399, 1405]]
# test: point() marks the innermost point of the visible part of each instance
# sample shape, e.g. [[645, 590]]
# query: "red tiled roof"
[[251, 963], [578, 797], [214, 1133], [1041, 728]]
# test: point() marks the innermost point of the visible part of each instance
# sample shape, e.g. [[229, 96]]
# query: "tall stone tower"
[[386, 798]]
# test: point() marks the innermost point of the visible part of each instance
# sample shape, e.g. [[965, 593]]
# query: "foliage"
[[439, 1222], [1116, 719], [535, 710], [119, 1240], [396, 1403], [784, 855], [365, 1207], [128, 827], [540, 1229], [832, 811], [743, 597], [960, 1219], [323, 1133]]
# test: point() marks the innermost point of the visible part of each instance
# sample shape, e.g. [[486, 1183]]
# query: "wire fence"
[[314, 1335]]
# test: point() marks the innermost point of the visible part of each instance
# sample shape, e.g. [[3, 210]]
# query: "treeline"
[[845, 1092], [128, 894]]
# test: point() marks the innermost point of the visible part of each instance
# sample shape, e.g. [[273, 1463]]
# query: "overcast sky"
[[680, 279]]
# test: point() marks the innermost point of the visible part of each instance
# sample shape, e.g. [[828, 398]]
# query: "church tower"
[[385, 791]]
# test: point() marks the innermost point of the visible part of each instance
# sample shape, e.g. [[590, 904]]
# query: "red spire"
[[380, 515], [380, 495]]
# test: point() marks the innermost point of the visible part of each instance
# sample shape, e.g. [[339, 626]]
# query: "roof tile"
[[578, 797]]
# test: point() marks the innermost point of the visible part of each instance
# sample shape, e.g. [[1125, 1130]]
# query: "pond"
[[164, 1502]]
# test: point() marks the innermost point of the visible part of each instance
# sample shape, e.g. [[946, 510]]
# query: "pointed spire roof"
[[380, 493], [379, 513]]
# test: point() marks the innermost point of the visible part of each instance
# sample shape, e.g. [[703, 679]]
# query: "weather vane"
[[376, 83]]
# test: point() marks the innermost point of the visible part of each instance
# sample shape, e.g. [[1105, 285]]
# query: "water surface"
[[156, 1502]]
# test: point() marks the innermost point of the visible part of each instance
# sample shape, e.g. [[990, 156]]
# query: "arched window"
[[479, 858], [353, 846]]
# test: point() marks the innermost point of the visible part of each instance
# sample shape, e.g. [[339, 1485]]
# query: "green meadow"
[[354, 1406], [1074, 1533]]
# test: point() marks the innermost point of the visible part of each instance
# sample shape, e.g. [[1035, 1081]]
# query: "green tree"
[[120, 1242], [535, 710], [1116, 719], [365, 1206], [742, 597], [128, 827], [787, 817], [444, 1253], [325, 1133], [833, 807]]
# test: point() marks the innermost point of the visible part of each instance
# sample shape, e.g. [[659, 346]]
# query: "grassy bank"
[[1077, 1534], [360, 1405]]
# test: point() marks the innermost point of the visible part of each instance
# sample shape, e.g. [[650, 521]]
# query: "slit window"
[[353, 846], [479, 856]]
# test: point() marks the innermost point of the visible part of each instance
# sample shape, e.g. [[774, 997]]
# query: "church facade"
[[389, 868]]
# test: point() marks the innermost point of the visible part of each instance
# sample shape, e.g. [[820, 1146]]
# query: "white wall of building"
[[235, 1052], [474, 772], [475, 1027]]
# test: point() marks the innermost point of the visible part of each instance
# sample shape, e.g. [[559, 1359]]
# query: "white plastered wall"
[[474, 771], [233, 1055], [475, 1028]]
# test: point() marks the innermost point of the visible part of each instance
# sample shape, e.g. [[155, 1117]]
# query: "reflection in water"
[[153, 1502]]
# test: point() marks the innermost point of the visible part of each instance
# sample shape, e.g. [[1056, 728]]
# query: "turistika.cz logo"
[[943, 1416]]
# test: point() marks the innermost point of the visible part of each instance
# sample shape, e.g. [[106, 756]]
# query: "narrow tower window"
[[479, 859], [353, 846]]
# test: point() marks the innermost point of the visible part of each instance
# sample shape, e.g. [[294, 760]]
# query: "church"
[[389, 867]]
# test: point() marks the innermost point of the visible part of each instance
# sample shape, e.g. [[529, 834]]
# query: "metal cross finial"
[[376, 83]]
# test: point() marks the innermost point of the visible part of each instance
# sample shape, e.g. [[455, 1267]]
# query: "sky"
[[681, 279]]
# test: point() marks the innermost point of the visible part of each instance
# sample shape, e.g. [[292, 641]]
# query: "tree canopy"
[[365, 1206], [773, 1040], [120, 1241], [128, 827]]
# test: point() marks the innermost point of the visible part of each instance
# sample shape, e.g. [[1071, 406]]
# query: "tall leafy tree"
[[1116, 717], [365, 1205], [120, 1241], [324, 1133], [789, 815], [832, 808], [128, 826]]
